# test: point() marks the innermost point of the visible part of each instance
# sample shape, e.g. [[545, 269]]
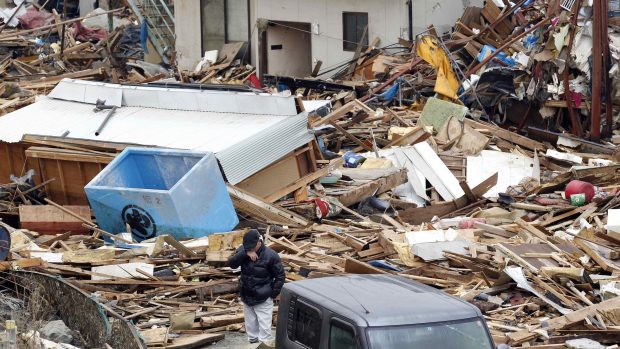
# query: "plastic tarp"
[[83, 33], [34, 18], [446, 83]]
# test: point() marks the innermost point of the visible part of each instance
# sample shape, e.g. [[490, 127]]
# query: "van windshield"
[[467, 334]]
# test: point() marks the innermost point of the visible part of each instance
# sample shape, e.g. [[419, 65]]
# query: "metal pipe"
[[506, 45], [410, 18], [574, 119], [606, 67], [105, 121], [597, 61]]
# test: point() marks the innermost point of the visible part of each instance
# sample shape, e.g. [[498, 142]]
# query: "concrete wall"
[[188, 33], [387, 19], [440, 13], [294, 56]]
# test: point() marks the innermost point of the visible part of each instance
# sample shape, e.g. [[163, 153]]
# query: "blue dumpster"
[[162, 191]]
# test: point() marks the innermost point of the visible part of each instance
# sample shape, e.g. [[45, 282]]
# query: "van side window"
[[341, 336], [306, 324]]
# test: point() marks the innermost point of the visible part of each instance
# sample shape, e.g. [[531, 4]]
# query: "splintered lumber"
[[375, 187], [257, 207], [564, 321], [21, 264]]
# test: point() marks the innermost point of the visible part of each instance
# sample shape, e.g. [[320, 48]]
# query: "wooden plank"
[[189, 342], [259, 208], [518, 260], [417, 135], [564, 215], [21, 264], [304, 181], [47, 219], [564, 321], [336, 114], [351, 137], [583, 245], [67, 155], [87, 256], [52, 81], [221, 320], [358, 52], [69, 212], [506, 135], [353, 266], [375, 187], [177, 245]]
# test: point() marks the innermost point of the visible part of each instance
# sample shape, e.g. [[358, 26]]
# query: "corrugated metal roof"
[[244, 143], [174, 98]]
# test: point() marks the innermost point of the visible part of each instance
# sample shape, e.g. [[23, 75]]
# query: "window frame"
[[298, 300], [351, 45], [344, 324]]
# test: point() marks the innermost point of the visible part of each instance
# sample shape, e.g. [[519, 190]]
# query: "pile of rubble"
[[39, 48], [412, 177]]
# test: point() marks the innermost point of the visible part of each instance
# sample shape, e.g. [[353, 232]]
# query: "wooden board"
[[258, 208], [375, 187], [564, 321], [47, 219], [197, 341]]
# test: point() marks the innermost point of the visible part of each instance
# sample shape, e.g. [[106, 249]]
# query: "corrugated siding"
[[244, 143], [255, 153]]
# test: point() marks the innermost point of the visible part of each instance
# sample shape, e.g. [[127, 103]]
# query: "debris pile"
[[407, 172], [39, 48]]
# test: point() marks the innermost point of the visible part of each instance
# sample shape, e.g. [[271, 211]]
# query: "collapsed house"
[[261, 141]]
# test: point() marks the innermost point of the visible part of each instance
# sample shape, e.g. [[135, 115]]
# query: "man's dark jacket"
[[261, 279]]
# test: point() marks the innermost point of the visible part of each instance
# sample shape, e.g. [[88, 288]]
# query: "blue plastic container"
[[161, 191]]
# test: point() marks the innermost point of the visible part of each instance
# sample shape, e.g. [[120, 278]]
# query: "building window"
[[306, 326], [341, 336], [353, 26]]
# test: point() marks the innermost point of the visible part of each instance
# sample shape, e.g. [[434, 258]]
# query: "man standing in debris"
[[262, 278]]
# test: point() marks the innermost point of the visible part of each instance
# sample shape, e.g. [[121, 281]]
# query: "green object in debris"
[[328, 180], [436, 112], [578, 199]]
